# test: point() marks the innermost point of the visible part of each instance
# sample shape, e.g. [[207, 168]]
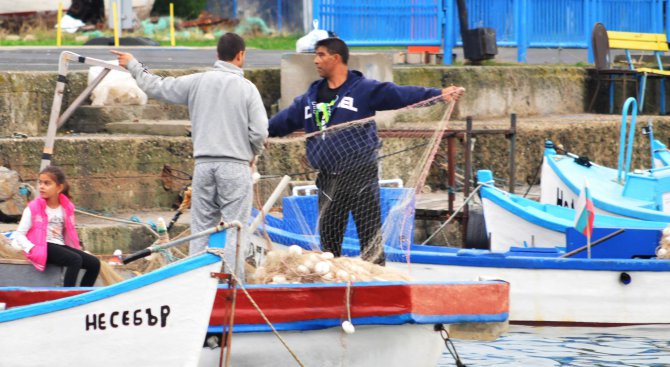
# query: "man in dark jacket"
[[347, 158]]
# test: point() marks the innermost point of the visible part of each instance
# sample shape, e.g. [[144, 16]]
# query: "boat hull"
[[565, 291], [151, 320], [370, 345]]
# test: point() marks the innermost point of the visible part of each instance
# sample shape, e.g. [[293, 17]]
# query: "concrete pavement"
[[46, 58]]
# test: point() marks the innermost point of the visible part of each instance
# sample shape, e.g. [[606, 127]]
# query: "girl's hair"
[[57, 175]]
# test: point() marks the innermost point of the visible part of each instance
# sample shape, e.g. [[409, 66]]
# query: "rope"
[[453, 215], [118, 220], [267, 321], [533, 183], [348, 300], [450, 346]]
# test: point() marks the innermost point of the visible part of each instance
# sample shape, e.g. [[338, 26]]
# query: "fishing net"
[[354, 183], [298, 266], [663, 249]]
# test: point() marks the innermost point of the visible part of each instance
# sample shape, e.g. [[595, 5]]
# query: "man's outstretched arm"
[[170, 89]]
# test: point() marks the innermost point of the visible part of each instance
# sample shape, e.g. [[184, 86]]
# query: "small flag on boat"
[[585, 212]]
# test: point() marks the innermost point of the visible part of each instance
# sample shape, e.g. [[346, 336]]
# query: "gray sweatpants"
[[221, 191]]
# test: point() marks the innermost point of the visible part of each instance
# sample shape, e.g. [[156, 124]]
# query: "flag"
[[585, 212]]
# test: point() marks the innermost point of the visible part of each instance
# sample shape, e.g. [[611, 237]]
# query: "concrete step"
[[116, 172], [151, 127], [109, 172], [91, 119]]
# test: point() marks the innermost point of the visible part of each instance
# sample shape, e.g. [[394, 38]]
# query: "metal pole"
[[82, 97], [512, 153], [48, 150], [467, 155], [468, 168], [451, 171], [55, 118], [279, 19]]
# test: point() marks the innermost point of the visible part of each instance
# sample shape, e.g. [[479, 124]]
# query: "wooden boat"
[[155, 319], [640, 194], [395, 322], [512, 220], [616, 286]]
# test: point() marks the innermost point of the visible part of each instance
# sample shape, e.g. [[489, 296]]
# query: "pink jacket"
[[38, 231]]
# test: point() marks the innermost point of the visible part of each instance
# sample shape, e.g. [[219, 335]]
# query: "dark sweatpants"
[[355, 191], [73, 260]]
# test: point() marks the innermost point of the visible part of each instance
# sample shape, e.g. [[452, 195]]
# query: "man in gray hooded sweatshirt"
[[229, 127]]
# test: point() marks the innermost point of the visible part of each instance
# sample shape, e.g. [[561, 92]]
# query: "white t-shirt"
[[54, 228]]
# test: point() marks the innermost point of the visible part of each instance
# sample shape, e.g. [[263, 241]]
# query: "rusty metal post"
[[451, 172], [512, 153], [466, 175]]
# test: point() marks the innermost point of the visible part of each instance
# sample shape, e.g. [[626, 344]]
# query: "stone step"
[[116, 172], [92, 119], [109, 172], [151, 127]]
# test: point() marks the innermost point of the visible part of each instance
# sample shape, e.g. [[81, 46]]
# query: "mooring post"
[[466, 175], [512, 152], [451, 171]]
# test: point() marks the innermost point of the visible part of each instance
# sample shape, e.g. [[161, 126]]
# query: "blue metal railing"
[[518, 23], [382, 23]]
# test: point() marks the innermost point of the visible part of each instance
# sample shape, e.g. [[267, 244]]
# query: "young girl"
[[47, 234]]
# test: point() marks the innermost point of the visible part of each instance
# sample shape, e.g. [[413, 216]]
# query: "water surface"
[[527, 346]]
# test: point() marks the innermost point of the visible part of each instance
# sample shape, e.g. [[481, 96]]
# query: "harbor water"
[[527, 346]]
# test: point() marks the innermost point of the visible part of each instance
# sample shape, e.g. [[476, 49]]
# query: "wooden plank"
[[638, 45], [654, 37], [637, 41], [653, 71]]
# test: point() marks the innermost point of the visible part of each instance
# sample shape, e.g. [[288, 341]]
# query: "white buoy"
[[662, 253], [666, 231], [328, 276], [302, 270], [278, 279], [255, 177], [327, 255], [322, 267], [342, 275], [309, 265], [348, 327], [314, 258], [295, 250]]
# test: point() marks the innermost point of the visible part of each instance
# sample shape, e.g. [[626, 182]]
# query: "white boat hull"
[[509, 230], [159, 324], [554, 191], [370, 345], [565, 296]]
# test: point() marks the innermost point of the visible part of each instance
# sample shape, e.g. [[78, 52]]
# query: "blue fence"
[[382, 23], [518, 23]]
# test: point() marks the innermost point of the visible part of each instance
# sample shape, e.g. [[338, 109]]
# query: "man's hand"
[[123, 57], [452, 93]]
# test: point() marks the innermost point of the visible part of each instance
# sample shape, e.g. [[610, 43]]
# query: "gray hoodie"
[[227, 113]]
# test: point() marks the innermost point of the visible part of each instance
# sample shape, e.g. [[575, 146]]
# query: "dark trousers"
[[355, 191], [74, 260]]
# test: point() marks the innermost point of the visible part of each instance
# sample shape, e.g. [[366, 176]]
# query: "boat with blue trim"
[[617, 286], [512, 220], [157, 319], [640, 194], [392, 323]]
